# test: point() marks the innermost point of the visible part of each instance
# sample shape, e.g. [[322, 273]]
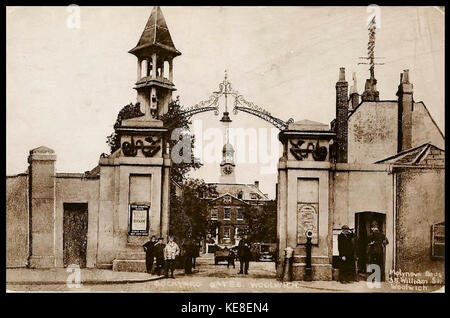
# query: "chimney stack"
[[257, 184], [405, 109], [341, 124]]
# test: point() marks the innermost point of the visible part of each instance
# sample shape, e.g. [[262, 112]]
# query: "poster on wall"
[[139, 219], [307, 220]]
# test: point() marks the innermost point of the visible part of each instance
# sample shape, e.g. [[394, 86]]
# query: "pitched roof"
[[228, 194], [423, 155], [234, 188], [156, 33]]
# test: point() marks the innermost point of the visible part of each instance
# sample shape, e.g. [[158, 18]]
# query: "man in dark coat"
[[158, 249], [377, 241], [346, 246], [196, 252], [149, 253], [188, 251], [244, 254]]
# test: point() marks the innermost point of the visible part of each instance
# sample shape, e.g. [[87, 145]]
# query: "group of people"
[[163, 256], [374, 249]]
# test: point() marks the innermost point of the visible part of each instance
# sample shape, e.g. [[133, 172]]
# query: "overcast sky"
[[65, 85]]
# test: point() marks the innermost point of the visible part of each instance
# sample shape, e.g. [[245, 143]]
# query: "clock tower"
[[227, 165]]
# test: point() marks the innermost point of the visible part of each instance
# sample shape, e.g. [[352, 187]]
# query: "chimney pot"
[[342, 74], [405, 77], [257, 184]]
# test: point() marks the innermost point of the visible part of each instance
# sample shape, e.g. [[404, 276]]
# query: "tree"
[[188, 213], [262, 222], [174, 119]]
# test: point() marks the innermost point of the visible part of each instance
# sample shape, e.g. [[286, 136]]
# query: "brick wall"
[[17, 220]]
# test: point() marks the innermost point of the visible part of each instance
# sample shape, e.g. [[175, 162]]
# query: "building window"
[[240, 214], [438, 240], [227, 232], [254, 196], [227, 213], [214, 214]]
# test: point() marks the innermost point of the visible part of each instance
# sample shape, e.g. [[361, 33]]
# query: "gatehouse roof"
[[156, 33]]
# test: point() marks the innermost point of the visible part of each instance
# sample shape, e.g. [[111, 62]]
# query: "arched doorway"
[[363, 221]]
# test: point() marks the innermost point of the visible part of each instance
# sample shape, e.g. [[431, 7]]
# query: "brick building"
[[226, 210]]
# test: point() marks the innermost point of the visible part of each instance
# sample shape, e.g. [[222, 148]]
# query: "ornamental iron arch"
[[240, 104]]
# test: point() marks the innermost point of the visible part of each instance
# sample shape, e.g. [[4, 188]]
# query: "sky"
[[66, 84]]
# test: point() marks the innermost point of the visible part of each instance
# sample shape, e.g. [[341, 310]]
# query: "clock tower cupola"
[[227, 166]]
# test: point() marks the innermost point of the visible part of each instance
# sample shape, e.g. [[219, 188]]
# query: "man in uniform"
[[377, 241], [244, 254], [149, 253], [159, 255], [346, 246]]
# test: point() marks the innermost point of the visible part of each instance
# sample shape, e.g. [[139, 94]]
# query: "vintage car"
[[266, 251], [224, 255]]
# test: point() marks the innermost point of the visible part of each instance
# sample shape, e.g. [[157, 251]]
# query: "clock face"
[[227, 170]]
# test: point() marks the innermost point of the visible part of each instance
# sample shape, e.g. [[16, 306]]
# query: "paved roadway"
[[208, 277]]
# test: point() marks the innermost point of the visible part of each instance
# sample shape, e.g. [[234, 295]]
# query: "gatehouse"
[[378, 161]]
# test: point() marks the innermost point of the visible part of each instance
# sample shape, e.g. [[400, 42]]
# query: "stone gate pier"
[[303, 180]]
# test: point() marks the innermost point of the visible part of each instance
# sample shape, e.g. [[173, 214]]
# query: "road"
[[210, 278]]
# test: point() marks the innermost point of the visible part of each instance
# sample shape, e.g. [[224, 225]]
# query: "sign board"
[[307, 220], [139, 219]]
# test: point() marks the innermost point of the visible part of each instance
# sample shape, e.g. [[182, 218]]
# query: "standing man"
[[196, 252], [346, 246], [377, 241], [149, 253], [171, 251], [188, 249], [244, 254], [158, 250]]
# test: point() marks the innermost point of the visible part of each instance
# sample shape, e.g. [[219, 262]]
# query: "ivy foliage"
[[127, 112], [172, 120]]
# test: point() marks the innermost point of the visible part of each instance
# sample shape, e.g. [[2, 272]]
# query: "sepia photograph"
[[225, 149]]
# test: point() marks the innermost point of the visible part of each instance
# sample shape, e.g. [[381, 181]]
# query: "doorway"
[[75, 233], [363, 221]]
